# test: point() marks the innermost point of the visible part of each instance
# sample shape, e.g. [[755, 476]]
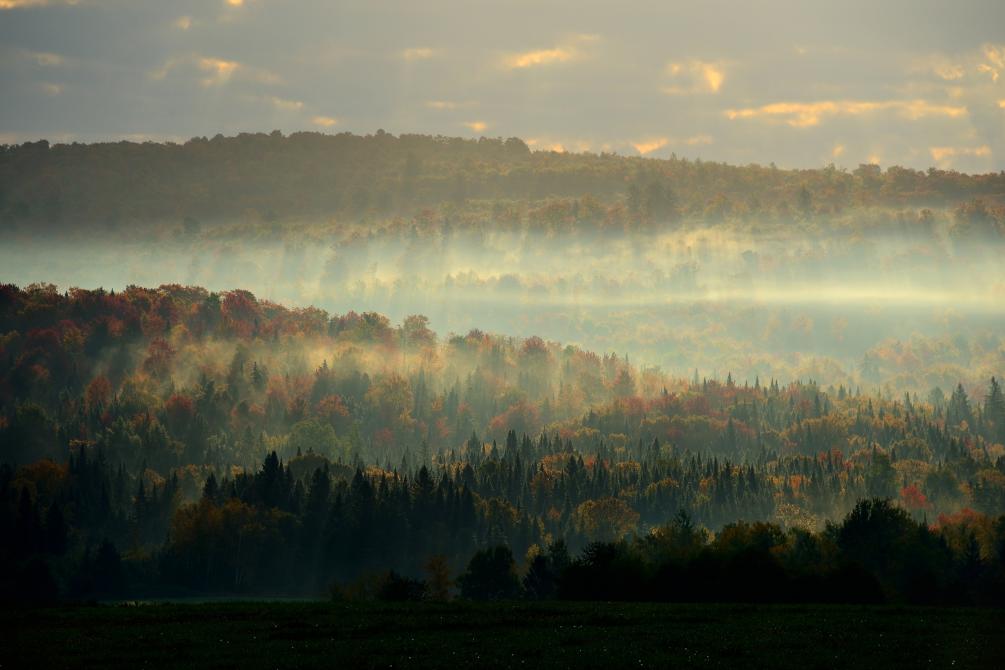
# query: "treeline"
[[876, 554], [271, 177], [376, 535]]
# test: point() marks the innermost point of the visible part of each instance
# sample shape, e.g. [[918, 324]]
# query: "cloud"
[[949, 71], [324, 121], [219, 70], [417, 53], [215, 71], [44, 58], [695, 76], [477, 126], [551, 144], [450, 105], [441, 104], [995, 57], [50, 89], [837, 151], [165, 69], [943, 154], [649, 146], [561, 53], [24, 4], [988, 70], [988, 60], [286, 105], [544, 145], [539, 57], [842, 86], [235, 10], [805, 114], [995, 54]]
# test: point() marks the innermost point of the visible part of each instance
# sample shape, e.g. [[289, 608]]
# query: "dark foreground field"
[[555, 635]]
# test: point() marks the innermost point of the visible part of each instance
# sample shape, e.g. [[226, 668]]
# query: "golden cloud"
[[567, 51], [216, 71], [539, 57], [995, 54], [219, 70], [949, 71], [995, 57], [695, 76], [441, 104], [649, 146], [942, 154], [324, 121], [477, 126], [23, 4], [286, 105], [183, 22], [837, 151], [559, 146], [805, 114], [418, 53], [988, 70]]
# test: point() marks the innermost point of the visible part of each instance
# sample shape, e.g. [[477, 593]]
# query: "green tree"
[[994, 412], [491, 575], [959, 410]]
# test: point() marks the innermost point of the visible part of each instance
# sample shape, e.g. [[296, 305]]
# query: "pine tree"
[[994, 412], [959, 410]]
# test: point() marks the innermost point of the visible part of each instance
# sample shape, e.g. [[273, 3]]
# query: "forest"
[[884, 279], [311, 176], [175, 440], [553, 334]]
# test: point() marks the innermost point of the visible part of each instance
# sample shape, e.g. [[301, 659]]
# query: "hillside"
[[311, 176]]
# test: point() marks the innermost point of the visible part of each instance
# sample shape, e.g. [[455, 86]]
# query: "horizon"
[[841, 167]]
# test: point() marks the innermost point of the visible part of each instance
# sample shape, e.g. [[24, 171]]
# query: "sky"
[[799, 84]]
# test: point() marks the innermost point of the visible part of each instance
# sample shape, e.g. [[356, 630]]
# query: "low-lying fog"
[[897, 312]]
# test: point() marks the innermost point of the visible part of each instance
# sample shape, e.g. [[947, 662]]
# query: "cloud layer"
[[917, 83]]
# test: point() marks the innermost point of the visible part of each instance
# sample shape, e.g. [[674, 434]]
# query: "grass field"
[[555, 635]]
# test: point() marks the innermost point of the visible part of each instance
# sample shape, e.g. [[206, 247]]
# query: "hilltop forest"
[[313, 176]]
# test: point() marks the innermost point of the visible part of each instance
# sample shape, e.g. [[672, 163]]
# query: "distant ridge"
[[309, 175]]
